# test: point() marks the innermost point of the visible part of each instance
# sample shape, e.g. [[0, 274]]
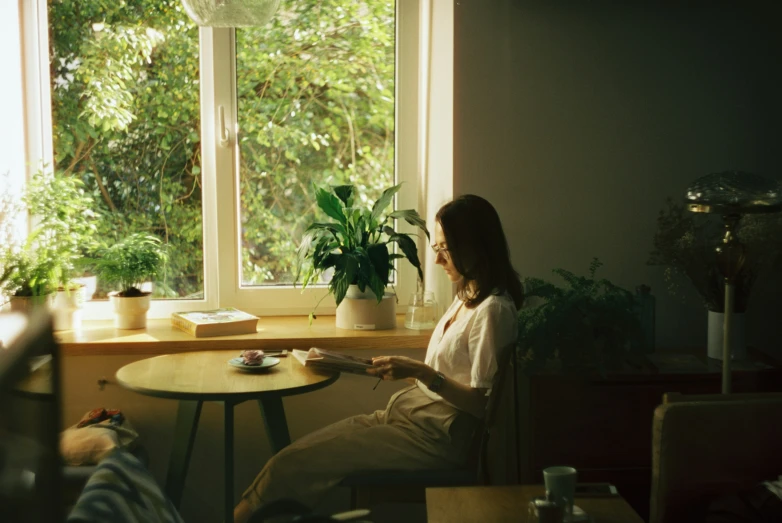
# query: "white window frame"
[[220, 200]]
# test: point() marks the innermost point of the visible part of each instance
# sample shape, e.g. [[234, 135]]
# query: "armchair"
[[707, 446]]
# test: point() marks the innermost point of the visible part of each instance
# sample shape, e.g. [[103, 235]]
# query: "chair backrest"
[[29, 419], [676, 397], [494, 438], [710, 447]]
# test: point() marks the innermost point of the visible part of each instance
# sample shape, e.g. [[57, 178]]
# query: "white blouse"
[[467, 352]]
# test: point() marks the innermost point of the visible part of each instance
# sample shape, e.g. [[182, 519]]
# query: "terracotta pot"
[[130, 313]]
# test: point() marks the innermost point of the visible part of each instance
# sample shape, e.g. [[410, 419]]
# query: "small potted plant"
[[28, 268], [586, 325], [356, 246], [66, 226], [27, 278], [126, 265]]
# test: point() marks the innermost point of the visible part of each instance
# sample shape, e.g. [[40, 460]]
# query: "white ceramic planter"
[[737, 334], [130, 313], [361, 311], [67, 308]]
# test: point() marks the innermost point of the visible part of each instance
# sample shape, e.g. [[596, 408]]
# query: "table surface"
[[206, 375], [272, 332], [509, 503]]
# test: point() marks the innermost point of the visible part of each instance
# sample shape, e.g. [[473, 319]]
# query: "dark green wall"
[[578, 119]]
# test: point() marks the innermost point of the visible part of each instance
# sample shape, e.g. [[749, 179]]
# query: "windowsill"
[[274, 332]]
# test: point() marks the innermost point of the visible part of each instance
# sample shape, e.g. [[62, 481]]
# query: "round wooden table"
[[195, 377]]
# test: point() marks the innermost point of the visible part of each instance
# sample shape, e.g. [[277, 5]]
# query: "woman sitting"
[[430, 424]]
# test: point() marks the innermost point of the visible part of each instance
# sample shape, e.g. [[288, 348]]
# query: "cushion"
[[87, 446], [87, 443]]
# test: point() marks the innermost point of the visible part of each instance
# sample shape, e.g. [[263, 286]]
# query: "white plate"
[[267, 362]]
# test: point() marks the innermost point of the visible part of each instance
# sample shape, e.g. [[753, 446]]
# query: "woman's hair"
[[479, 250]]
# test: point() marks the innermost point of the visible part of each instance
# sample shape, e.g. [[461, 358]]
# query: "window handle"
[[225, 134]]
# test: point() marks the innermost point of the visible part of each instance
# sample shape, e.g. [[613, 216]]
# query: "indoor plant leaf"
[[330, 205], [378, 254], [409, 248], [344, 193], [384, 201], [346, 266], [412, 217], [334, 228]]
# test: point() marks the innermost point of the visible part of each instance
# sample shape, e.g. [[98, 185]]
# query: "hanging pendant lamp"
[[230, 13]]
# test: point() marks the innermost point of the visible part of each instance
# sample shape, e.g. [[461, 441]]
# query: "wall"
[[578, 119]]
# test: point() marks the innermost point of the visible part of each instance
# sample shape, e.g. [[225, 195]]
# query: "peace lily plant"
[[356, 243]]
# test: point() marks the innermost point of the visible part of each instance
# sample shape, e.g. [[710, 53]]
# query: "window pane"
[[316, 106], [125, 110]]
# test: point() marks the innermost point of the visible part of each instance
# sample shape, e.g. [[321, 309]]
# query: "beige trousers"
[[413, 432]]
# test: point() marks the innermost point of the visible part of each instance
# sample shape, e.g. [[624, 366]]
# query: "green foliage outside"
[[355, 244], [316, 106], [584, 325]]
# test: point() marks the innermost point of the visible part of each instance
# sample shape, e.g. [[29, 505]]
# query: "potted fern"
[[586, 325], [27, 278], [126, 265], [355, 245]]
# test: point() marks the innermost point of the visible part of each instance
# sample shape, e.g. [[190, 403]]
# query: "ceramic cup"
[[561, 483]]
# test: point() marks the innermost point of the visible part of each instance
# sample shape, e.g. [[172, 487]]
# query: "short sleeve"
[[494, 327]]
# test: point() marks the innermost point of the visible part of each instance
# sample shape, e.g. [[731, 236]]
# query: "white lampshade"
[[230, 13]]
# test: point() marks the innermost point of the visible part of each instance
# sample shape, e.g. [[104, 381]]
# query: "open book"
[[332, 361]]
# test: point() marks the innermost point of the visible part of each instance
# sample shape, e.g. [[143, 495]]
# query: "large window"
[[213, 138]]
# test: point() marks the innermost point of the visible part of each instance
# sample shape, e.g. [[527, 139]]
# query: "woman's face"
[[442, 255]]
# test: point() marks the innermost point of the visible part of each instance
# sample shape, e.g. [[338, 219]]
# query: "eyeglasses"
[[437, 250]]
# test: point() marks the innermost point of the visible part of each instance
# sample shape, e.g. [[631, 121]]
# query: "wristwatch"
[[437, 382]]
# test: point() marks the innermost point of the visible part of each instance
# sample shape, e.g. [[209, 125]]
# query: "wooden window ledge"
[[274, 332]]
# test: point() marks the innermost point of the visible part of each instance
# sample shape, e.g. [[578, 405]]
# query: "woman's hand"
[[400, 367]]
